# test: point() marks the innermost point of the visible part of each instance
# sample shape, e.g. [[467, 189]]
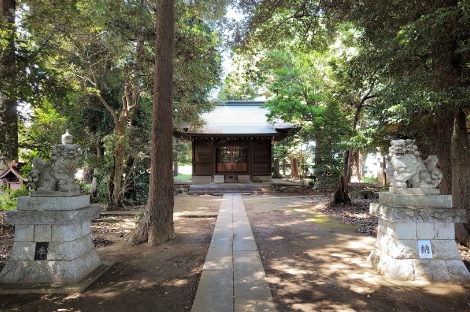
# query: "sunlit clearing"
[[294, 271], [180, 282], [321, 307], [72, 297], [360, 243], [336, 267], [277, 238], [288, 268], [339, 255], [361, 290], [310, 237]]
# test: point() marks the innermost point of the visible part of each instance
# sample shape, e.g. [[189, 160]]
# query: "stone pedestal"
[[52, 241], [416, 239]]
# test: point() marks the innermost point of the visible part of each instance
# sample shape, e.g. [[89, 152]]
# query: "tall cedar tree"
[[157, 225], [8, 103]]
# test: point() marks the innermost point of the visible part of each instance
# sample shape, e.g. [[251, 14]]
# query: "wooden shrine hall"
[[235, 144]]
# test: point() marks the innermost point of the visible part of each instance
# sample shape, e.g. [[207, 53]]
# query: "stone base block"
[[55, 193], [52, 216], [417, 201], [262, 179], [402, 226], [49, 272], [418, 215], [414, 191], [52, 245], [68, 288], [437, 270], [201, 179], [53, 203]]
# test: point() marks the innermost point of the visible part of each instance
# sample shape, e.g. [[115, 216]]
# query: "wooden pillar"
[[214, 160], [193, 160], [250, 161]]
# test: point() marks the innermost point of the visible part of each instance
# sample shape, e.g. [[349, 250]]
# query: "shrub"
[[9, 198]]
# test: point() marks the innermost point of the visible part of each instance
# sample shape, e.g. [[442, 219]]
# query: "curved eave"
[[285, 131], [192, 135], [11, 171]]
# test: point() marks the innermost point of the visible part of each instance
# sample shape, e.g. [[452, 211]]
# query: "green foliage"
[[419, 54], [182, 151], [101, 195], [197, 67], [372, 180], [182, 176], [9, 198], [300, 85], [44, 130], [140, 216], [297, 24], [330, 146]]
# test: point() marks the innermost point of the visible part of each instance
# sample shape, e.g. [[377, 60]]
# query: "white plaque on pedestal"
[[424, 249]]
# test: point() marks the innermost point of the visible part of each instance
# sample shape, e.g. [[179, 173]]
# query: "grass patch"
[[331, 222], [183, 176]]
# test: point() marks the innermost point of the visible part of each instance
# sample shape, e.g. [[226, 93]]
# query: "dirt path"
[[145, 278], [313, 262]]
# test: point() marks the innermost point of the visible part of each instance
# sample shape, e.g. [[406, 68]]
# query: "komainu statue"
[[57, 175], [410, 170]]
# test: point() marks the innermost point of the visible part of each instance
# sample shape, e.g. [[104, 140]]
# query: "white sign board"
[[424, 249]]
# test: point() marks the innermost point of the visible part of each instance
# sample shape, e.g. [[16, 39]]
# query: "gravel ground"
[[357, 213]]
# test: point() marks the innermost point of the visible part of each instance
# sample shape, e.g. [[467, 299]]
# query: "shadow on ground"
[[314, 262]]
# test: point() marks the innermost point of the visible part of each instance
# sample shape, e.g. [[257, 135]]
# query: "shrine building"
[[235, 144]]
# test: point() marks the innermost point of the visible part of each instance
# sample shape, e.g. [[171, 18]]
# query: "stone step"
[[230, 188]]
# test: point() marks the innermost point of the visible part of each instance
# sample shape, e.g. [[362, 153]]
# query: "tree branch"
[[106, 105]]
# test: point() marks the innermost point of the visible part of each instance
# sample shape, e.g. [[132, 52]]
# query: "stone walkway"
[[233, 277]]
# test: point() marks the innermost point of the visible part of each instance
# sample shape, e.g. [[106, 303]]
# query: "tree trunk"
[[341, 194], [119, 158], [157, 225], [355, 166], [87, 174], [447, 70], [443, 132], [99, 154], [294, 168], [460, 174], [276, 173], [446, 73], [362, 158], [8, 102], [175, 165]]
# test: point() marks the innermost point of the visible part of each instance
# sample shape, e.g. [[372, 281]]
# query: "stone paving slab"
[[214, 292], [251, 291], [233, 277], [244, 243], [242, 235], [219, 258]]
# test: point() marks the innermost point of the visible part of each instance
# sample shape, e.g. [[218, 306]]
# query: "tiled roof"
[[237, 118]]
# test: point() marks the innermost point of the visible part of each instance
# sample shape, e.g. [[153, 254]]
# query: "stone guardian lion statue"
[[410, 170]]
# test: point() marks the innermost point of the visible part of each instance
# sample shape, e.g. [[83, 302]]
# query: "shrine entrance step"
[[230, 188]]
